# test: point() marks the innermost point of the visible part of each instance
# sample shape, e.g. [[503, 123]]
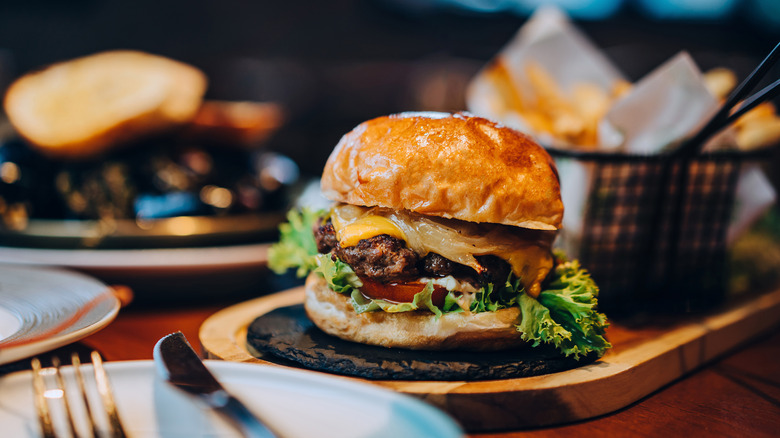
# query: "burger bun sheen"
[[447, 165]]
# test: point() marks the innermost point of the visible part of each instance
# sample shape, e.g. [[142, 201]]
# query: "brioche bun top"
[[447, 165]]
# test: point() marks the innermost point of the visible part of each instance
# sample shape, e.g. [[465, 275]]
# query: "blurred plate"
[[297, 403], [160, 273], [43, 308], [174, 232], [132, 260]]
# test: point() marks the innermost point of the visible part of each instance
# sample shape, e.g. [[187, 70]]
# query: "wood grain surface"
[[736, 395], [643, 360]]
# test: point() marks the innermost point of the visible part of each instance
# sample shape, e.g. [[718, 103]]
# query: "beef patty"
[[385, 258]]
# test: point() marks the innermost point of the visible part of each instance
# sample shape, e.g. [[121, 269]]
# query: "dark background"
[[336, 63]]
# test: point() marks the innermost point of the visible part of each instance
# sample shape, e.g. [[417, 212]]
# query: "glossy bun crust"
[[448, 165], [333, 313]]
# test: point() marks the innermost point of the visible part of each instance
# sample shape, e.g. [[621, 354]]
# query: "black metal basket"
[[655, 227]]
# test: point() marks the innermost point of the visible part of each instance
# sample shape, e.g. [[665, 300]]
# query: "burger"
[[106, 144], [441, 237]]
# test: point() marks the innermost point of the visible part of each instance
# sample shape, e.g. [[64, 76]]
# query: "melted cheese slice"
[[528, 252], [366, 228]]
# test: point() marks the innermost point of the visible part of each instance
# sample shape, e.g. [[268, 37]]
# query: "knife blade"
[[181, 367]]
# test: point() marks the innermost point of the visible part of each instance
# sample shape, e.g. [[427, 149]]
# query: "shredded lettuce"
[[564, 314], [422, 300]]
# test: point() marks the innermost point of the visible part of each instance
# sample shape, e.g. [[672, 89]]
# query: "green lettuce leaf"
[[491, 298], [563, 315], [339, 275], [296, 248], [451, 304], [422, 300]]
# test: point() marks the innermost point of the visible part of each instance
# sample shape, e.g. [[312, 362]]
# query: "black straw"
[[721, 118], [768, 92]]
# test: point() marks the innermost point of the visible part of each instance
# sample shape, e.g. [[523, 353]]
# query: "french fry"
[[498, 74], [547, 90], [759, 127], [551, 104], [569, 125], [762, 112], [621, 88], [571, 117], [720, 81], [758, 133], [590, 101], [538, 122]]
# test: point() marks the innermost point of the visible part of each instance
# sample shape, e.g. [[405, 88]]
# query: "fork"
[[103, 388]]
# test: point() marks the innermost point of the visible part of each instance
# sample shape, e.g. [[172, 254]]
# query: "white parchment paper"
[[659, 111]]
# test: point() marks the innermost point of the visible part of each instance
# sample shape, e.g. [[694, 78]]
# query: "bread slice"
[[85, 106], [243, 123]]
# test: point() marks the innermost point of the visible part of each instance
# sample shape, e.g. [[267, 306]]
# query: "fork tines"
[[59, 391]]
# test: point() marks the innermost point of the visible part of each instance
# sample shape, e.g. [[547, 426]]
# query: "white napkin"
[[551, 41], [665, 106]]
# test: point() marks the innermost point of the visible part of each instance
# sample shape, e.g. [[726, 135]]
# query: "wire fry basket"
[[654, 234]]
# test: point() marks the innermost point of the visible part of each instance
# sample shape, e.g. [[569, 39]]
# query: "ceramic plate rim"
[[222, 369], [129, 259], [62, 337]]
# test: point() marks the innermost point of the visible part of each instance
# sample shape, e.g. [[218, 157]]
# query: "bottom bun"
[[333, 313]]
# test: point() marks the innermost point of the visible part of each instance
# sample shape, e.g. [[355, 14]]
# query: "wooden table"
[[738, 395]]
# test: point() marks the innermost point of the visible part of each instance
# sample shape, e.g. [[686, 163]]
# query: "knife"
[[180, 366]]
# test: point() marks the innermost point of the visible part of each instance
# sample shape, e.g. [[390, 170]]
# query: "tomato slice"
[[400, 292]]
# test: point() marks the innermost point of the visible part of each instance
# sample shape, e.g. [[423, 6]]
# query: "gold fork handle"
[[41, 407], [104, 389]]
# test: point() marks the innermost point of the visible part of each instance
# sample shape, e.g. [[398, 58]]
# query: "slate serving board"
[[287, 333]]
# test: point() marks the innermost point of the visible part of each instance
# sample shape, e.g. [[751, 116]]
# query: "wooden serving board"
[[642, 361]]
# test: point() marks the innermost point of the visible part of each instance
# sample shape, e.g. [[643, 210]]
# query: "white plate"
[[297, 403], [161, 273], [45, 308], [133, 259]]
